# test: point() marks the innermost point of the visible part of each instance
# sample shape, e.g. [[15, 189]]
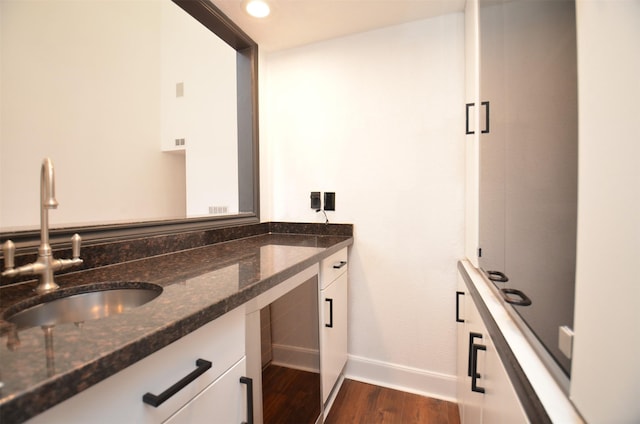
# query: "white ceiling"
[[294, 23]]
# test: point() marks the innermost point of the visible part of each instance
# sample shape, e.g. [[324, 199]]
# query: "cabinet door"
[[223, 401], [333, 341], [475, 333], [494, 399], [501, 404], [471, 142], [462, 354]]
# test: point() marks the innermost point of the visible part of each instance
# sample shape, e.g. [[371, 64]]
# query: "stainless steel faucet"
[[45, 265]]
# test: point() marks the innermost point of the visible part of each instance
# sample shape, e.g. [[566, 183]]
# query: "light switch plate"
[[565, 341], [329, 201], [315, 200]]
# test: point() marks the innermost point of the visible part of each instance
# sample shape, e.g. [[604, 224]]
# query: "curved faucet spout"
[[47, 201], [47, 185]]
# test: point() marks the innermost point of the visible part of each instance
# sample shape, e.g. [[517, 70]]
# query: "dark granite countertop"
[[199, 285]]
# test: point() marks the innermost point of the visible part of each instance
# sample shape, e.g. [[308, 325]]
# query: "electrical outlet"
[[329, 201], [315, 200]]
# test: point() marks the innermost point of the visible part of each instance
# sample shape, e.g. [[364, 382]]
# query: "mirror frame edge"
[[217, 22]]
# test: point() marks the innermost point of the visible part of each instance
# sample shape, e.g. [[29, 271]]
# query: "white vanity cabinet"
[[333, 320], [485, 392], [217, 395]]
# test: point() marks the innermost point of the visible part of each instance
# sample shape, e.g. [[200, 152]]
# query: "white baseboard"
[[296, 357], [399, 377]]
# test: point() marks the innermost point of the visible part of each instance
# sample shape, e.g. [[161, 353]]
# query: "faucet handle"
[[76, 240], [9, 250]]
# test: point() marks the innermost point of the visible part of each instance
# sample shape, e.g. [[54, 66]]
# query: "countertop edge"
[[541, 396]]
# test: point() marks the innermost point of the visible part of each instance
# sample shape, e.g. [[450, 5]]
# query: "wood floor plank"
[[352, 403], [358, 402], [290, 395]]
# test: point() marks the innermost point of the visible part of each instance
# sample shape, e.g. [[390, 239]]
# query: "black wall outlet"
[[329, 201], [315, 200]]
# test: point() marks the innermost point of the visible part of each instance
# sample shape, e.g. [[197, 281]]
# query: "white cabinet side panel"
[[605, 374]]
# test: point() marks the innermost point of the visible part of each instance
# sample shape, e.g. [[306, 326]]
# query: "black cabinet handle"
[[339, 265], [458, 294], [486, 118], [523, 298], [497, 276], [471, 337], [487, 115], [249, 382], [157, 400], [466, 127], [474, 368], [330, 325]]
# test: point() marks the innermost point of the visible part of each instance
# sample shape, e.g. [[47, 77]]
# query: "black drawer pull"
[[497, 276], [330, 325], [249, 382], [458, 294], [155, 401], [523, 298], [474, 368], [339, 265], [471, 337]]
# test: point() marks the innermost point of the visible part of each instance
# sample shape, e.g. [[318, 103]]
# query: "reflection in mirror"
[[529, 162], [135, 103]]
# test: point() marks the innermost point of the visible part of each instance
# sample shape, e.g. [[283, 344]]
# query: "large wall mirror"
[[147, 109], [529, 165]]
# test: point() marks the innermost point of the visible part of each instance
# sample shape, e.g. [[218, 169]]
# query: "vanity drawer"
[[119, 397], [333, 267]]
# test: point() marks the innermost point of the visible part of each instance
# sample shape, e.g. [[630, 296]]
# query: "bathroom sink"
[[83, 303]]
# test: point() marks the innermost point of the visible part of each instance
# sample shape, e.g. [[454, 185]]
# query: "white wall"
[[379, 119], [605, 373]]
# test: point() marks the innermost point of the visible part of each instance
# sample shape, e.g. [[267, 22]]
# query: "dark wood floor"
[[290, 396], [293, 397], [358, 402]]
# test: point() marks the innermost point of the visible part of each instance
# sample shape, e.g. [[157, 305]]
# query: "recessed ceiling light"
[[257, 8]]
